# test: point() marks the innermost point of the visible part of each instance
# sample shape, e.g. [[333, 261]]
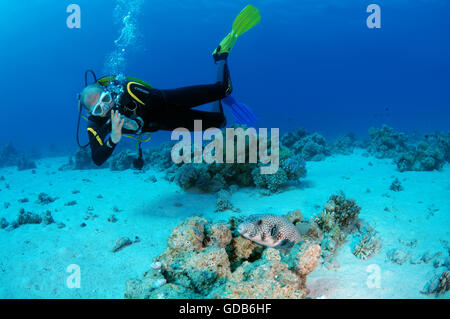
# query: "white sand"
[[34, 258]]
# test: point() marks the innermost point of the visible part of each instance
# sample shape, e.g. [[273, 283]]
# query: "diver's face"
[[101, 103]]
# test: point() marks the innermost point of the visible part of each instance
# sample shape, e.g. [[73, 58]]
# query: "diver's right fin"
[[241, 113], [246, 19]]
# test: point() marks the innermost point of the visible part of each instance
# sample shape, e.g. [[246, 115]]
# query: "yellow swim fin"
[[246, 19]]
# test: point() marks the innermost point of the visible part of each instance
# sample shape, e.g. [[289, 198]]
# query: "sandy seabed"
[[34, 258]]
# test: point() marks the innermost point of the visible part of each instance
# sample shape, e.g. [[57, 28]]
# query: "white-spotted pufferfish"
[[270, 230]]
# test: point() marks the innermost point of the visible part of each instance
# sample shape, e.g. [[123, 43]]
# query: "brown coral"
[[335, 223], [242, 248], [307, 257], [219, 235], [197, 263], [212, 259], [269, 279], [188, 235]]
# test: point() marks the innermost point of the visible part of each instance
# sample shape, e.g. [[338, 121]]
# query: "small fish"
[[270, 230]]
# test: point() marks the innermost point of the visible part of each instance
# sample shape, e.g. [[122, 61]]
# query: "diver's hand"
[[116, 126]]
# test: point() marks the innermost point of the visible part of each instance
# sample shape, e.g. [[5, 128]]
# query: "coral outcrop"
[[24, 163], [25, 218], [45, 199], [396, 185], [159, 156], [398, 256], [312, 147], [121, 161], [9, 156], [429, 154], [210, 260], [82, 159], [213, 177], [209, 178], [223, 201], [336, 222], [384, 142], [439, 284], [345, 144]]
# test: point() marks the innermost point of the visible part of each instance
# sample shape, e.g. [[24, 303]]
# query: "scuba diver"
[[123, 104]]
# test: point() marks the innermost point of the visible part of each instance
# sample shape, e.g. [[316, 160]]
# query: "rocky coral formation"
[[273, 276], [396, 185], [438, 284], [338, 212], [45, 199], [47, 218], [208, 178], [294, 166], [24, 163], [9, 156], [429, 154], [437, 258], [211, 178], [82, 159], [210, 260], [312, 147], [244, 249], [28, 218], [331, 227], [442, 141], [159, 156], [303, 257], [25, 218], [223, 202], [384, 142], [271, 182], [121, 161], [398, 256], [345, 144]]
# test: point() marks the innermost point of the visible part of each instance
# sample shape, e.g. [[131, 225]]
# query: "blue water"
[[308, 63]]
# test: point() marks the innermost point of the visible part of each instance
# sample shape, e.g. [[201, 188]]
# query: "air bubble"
[[126, 13]]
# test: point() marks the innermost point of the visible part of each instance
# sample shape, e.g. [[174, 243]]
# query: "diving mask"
[[103, 104]]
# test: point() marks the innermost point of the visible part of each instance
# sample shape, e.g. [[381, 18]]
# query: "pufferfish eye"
[[273, 231]]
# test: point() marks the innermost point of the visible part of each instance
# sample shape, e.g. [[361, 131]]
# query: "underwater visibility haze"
[[94, 204]]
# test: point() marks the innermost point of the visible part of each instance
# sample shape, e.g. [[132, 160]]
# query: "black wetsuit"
[[160, 110]]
